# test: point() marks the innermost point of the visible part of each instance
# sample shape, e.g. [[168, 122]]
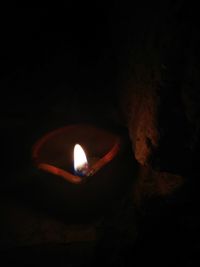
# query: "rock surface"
[[158, 86]]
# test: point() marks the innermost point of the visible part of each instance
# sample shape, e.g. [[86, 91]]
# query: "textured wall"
[[158, 64]]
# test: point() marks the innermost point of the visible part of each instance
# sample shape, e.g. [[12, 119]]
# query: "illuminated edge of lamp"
[[75, 179]]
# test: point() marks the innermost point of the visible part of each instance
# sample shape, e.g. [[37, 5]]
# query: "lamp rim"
[[75, 179]]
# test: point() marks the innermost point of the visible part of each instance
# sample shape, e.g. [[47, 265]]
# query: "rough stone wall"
[[159, 92]]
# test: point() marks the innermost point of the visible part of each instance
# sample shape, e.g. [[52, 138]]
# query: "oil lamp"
[[53, 152], [83, 169]]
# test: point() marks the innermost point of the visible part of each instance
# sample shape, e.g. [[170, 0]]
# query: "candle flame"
[[80, 160]]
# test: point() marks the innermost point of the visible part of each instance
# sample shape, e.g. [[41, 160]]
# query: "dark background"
[[47, 54], [66, 65]]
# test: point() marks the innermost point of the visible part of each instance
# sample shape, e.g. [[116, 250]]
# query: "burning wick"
[[80, 161]]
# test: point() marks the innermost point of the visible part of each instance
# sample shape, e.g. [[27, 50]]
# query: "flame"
[[80, 160]]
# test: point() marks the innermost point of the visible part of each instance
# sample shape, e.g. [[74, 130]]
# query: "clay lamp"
[[82, 169], [53, 152]]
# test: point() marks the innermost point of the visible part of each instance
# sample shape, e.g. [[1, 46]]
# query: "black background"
[[64, 64]]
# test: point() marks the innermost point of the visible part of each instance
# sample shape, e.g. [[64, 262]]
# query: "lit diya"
[[84, 170], [53, 152]]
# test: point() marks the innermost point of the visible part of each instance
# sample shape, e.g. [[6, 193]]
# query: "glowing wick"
[[80, 160]]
